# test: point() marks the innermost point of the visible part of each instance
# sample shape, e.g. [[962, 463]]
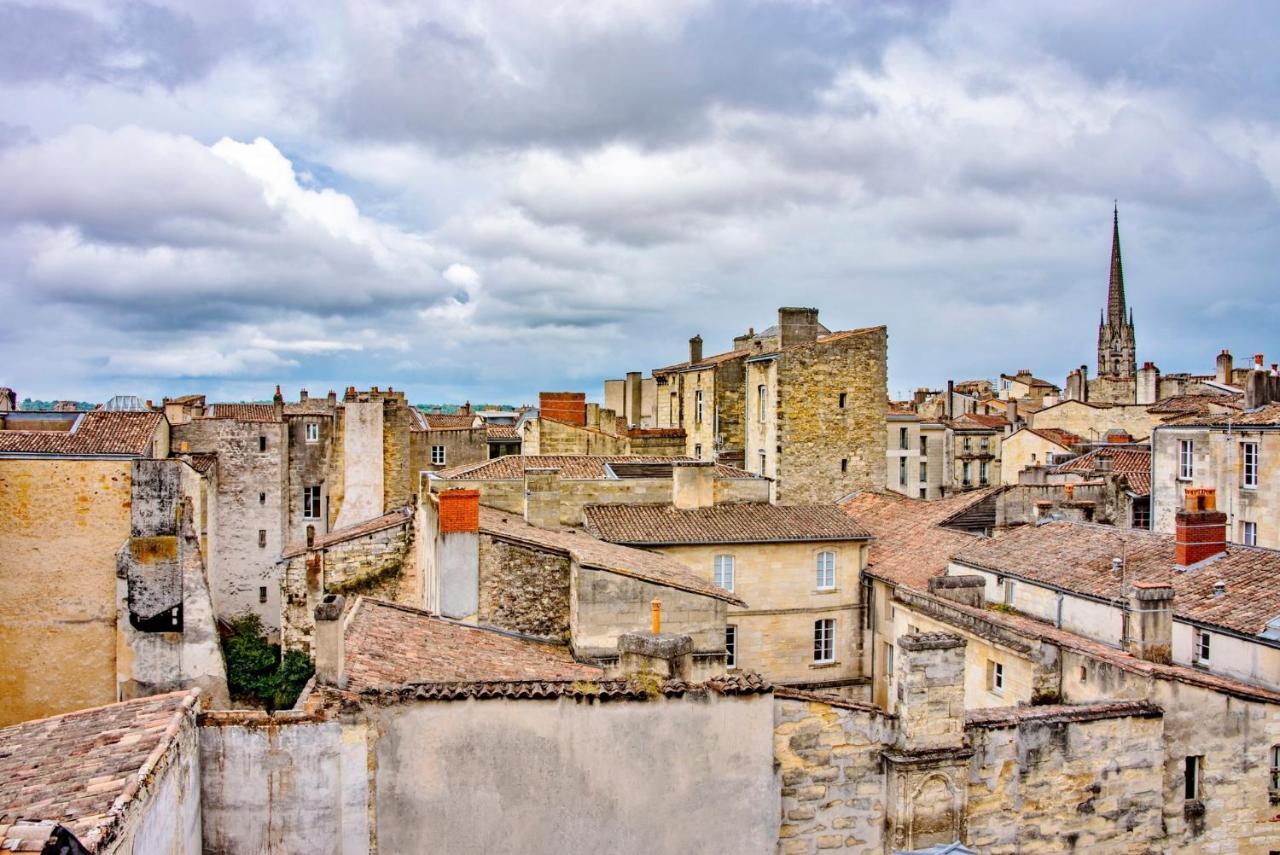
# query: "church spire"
[[1115, 293]]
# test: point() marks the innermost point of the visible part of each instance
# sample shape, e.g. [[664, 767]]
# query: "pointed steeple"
[[1115, 293]]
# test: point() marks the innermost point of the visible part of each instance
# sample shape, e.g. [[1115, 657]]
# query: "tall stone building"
[[1117, 353]]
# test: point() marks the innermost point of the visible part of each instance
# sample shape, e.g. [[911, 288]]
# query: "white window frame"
[[723, 570], [888, 658], [984, 473], [312, 430], [697, 406], [1203, 647], [825, 571], [995, 676], [764, 457], [1192, 777], [924, 471], [1249, 532], [1249, 465], [762, 392], [730, 646], [438, 455], [1275, 768], [1186, 459], [904, 439], [308, 506], [824, 641]]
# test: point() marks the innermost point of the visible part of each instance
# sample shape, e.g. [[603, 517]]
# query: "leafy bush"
[[256, 673]]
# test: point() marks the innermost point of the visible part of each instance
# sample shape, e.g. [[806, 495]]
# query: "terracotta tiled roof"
[[97, 432], [399, 516], [201, 461], [449, 421], [389, 645], [979, 421], [910, 545], [578, 467], [243, 412], [1029, 380], [707, 362], [993, 717], [1268, 415], [840, 335], [309, 407], [746, 522], [1196, 404], [185, 399], [1061, 437], [1134, 463], [596, 689], [1077, 557], [501, 432], [83, 768], [590, 551]]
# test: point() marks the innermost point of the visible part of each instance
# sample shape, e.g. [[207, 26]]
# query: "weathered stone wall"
[[364, 466], [815, 433], [165, 813], [833, 788], [523, 589], [603, 606], [249, 500], [1093, 423], [61, 524], [398, 482], [460, 448], [552, 437], [309, 466]]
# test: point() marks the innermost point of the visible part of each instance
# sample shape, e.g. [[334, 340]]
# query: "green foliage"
[[256, 674]]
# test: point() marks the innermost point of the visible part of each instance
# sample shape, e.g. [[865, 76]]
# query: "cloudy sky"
[[482, 199]]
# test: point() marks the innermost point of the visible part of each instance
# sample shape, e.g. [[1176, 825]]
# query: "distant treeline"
[[48, 406]]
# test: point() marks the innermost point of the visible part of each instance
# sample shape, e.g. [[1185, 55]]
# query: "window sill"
[[826, 590], [820, 665], [1182, 480]]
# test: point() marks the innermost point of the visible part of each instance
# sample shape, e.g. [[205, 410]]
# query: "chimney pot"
[[1117, 565], [1220, 588], [655, 615]]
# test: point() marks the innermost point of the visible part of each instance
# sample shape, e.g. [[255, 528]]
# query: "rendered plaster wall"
[[62, 522], [167, 817], [577, 776], [363, 464], [282, 785], [1093, 423]]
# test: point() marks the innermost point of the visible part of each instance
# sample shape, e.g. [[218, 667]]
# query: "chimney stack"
[[1224, 371], [693, 484], [277, 401], [948, 406], [302, 394], [634, 397], [1011, 413], [542, 497], [797, 326], [665, 655], [328, 644], [1148, 385], [695, 350], [1151, 627], [332, 398], [455, 590], [1200, 529], [1257, 386]]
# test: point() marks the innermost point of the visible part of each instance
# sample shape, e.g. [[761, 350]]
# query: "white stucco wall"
[[362, 457]]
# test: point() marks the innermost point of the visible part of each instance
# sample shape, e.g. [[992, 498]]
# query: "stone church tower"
[[1117, 353]]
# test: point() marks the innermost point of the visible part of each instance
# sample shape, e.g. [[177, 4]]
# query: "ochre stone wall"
[[61, 524], [1093, 423], [309, 466], [523, 589], [397, 482]]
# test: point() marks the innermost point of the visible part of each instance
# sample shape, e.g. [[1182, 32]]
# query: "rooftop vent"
[[1220, 588]]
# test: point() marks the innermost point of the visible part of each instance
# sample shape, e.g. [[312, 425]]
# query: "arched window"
[[826, 570]]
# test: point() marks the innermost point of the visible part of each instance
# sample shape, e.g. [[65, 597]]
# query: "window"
[[262, 498], [1142, 513], [903, 442], [968, 445], [697, 406], [1203, 646], [731, 646], [924, 445], [313, 432], [762, 462], [843, 398], [982, 473], [262, 538], [724, 572], [1084, 674], [437, 455], [1249, 460], [826, 570], [262, 594], [902, 471], [844, 464], [924, 472], [1249, 533], [966, 476], [995, 677], [262, 443], [697, 451], [1275, 768], [760, 398], [311, 503], [1185, 450], [824, 640], [1192, 770], [921, 493], [1010, 590], [984, 445], [888, 659], [1126, 626]]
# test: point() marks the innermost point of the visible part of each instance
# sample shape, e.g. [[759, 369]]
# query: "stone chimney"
[[634, 398], [332, 398], [930, 691], [542, 497], [966, 590], [1011, 413], [328, 646], [949, 405], [1148, 384], [664, 655], [695, 350], [693, 484], [277, 401], [1223, 372], [1200, 529], [1257, 386], [302, 395], [797, 326], [457, 554], [1151, 626]]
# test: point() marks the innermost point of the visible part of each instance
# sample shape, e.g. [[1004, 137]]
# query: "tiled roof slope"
[[599, 554], [1064, 438], [1268, 415], [746, 522], [389, 645], [594, 689], [1133, 463], [449, 421], [243, 412], [1077, 557], [1195, 404], [341, 535], [910, 545], [581, 467], [309, 407], [501, 431], [978, 420], [97, 432], [82, 768], [707, 362]]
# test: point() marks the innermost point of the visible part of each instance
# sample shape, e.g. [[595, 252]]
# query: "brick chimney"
[[454, 578], [328, 643], [1224, 367], [1151, 627], [567, 407], [693, 484], [1200, 529], [695, 350], [542, 497], [797, 326]]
